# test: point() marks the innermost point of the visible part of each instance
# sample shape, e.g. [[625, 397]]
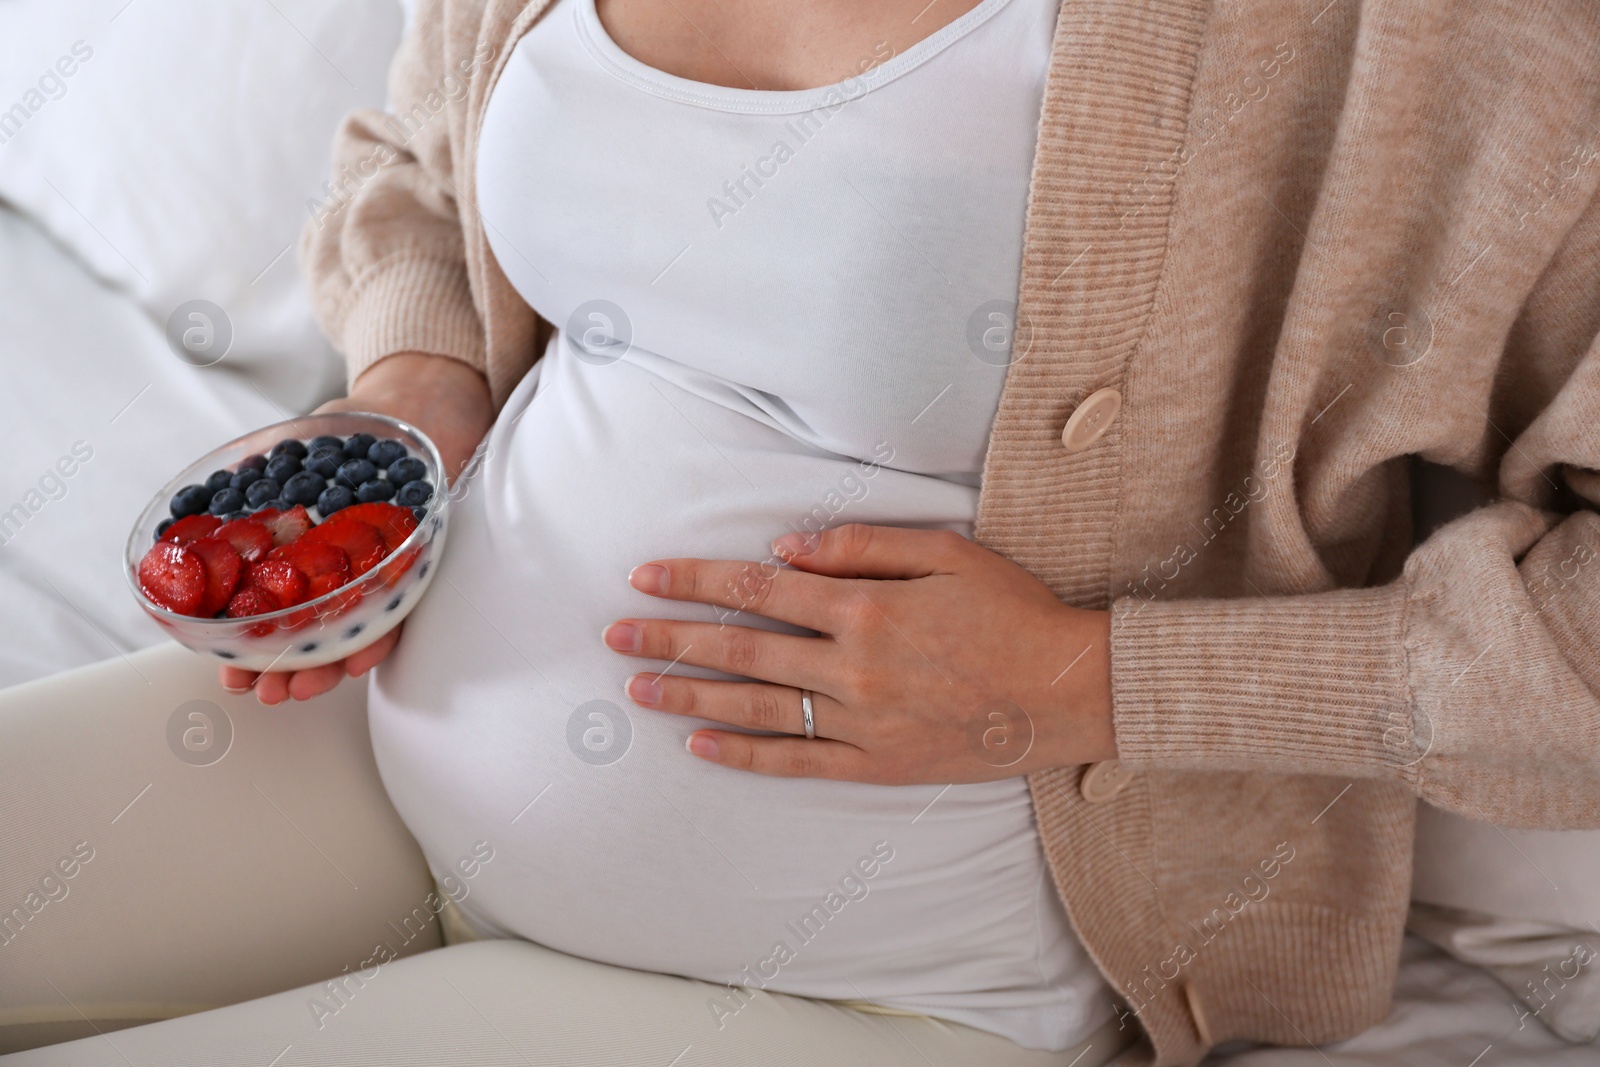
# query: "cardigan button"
[[1104, 780], [1092, 418], [1201, 1026]]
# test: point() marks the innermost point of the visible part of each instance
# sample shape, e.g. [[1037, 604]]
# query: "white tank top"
[[778, 310]]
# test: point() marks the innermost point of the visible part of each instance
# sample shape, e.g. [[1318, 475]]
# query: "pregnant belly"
[[501, 718]]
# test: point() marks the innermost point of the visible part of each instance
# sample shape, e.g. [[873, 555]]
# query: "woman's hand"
[[448, 401], [937, 661]]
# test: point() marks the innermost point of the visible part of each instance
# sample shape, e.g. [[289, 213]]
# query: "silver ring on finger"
[[808, 713]]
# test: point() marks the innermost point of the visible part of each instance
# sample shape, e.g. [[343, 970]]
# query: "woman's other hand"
[[448, 401], [937, 660]]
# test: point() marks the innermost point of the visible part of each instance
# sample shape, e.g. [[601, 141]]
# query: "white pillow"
[[96, 415], [173, 145]]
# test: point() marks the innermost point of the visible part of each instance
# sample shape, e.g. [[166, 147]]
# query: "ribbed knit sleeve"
[[409, 303], [1317, 683], [384, 253], [1473, 678]]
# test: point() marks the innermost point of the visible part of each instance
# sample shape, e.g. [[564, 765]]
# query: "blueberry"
[[414, 493], [218, 481], [230, 516], [324, 462], [278, 504], [289, 447], [333, 498], [245, 478], [161, 527], [226, 500], [303, 488], [254, 462], [190, 500], [356, 447], [419, 513], [326, 440], [261, 491], [354, 472], [409, 469], [386, 452], [281, 468], [374, 490]]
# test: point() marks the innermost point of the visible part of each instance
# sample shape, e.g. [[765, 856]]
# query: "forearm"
[[409, 372], [442, 396]]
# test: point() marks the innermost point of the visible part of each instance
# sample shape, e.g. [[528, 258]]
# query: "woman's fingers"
[[363, 660], [747, 705], [274, 687], [314, 681], [756, 706], [236, 679], [759, 588], [858, 550], [784, 757], [761, 654]]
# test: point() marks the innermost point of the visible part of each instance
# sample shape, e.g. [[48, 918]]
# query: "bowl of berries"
[[294, 545]]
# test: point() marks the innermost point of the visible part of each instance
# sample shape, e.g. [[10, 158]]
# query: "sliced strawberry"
[[361, 541], [323, 584], [173, 577], [191, 528], [280, 580], [223, 567], [396, 566], [286, 526], [250, 601], [393, 522], [342, 601], [324, 564], [247, 536]]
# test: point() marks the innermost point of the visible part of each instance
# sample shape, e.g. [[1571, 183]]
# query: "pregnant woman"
[[936, 578], [727, 365]]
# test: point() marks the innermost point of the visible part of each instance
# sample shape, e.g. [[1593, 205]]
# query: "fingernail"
[[703, 746], [623, 637], [644, 689], [241, 689], [795, 544], [649, 578]]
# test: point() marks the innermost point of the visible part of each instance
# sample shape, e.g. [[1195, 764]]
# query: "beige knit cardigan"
[[1305, 241]]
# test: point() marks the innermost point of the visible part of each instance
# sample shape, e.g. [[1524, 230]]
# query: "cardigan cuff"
[[1310, 684], [411, 303]]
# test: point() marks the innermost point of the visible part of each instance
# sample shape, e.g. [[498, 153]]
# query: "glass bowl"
[[331, 626]]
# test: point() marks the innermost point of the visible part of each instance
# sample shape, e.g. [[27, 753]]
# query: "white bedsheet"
[[83, 363]]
